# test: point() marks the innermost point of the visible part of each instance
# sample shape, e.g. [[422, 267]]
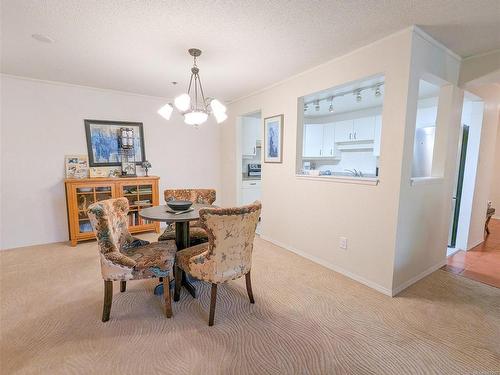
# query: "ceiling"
[[141, 46]]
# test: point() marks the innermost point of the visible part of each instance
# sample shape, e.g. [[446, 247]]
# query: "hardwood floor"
[[482, 263]]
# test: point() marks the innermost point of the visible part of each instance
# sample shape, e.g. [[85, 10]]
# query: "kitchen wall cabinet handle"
[[254, 150], [319, 152], [331, 151], [350, 135], [354, 135]]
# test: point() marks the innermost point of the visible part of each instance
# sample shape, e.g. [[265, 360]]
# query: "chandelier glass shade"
[[193, 105]]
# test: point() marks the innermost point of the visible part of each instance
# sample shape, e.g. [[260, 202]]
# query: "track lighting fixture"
[[330, 109], [356, 92], [358, 95]]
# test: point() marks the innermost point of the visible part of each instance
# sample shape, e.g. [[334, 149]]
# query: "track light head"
[[316, 105], [377, 91], [358, 95]]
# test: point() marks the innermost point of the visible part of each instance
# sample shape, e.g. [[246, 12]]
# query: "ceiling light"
[[217, 107], [195, 117], [221, 117], [183, 102], [316, 105], [43, 38], [166, 111], [330, 109], [358, 95], [195, 108]]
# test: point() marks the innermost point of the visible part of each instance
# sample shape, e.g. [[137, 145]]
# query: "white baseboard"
[[496, 217], [420, 276], [331, 266]]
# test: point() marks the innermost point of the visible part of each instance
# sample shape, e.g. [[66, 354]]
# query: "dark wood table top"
[[160, 213]]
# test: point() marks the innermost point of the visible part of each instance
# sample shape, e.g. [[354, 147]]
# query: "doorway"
[[249, 156], [465, 178]]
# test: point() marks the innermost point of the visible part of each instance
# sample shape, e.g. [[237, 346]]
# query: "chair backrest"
[[231, 233], [202, 196], [109, 220]]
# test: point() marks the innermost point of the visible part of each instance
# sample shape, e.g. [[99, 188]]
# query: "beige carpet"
[[306, 320]]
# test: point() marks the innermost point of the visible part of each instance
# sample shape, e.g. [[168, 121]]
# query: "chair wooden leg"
[[178, 282], [249, 287], [213, 300], [123, 286], [108, 299], [166, 294]]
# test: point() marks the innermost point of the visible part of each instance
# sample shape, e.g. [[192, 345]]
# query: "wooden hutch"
[[80, 193]]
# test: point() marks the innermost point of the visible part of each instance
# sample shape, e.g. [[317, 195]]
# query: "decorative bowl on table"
[[179, 205]]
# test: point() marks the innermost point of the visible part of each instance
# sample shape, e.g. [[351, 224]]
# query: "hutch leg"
[[123, 286]]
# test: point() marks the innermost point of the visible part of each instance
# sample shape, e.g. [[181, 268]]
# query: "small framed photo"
[[273, 139], [77, 166]]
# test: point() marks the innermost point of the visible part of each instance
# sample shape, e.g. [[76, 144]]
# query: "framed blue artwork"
[[273, 139], [102, 142]]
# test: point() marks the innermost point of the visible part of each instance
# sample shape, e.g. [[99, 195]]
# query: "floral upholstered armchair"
[[197, 234], [228, 253], [124, 257]]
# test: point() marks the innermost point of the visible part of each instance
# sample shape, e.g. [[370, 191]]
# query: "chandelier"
[[194, 106]]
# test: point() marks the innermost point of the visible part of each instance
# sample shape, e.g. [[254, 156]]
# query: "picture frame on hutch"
[[77, 166], [273, 139], [103, 144]]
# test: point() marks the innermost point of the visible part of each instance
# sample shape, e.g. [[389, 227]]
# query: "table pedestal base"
[[182, 242]]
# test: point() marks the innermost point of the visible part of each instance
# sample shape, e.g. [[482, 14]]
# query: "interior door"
[[458, 190]]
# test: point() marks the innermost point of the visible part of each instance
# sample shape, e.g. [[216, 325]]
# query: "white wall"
[[485, 169], [309, 216], [495, 181], [425, 209], [472, 115], [43, 121]]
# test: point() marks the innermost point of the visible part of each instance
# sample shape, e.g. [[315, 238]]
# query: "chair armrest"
[[120, 259]]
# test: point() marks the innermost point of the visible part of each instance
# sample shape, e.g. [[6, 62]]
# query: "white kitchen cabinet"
[[363, 129], [377, 135], [319, 140], [313, 140], [328, 140], [343, 131], [250, 191], [250, 134]]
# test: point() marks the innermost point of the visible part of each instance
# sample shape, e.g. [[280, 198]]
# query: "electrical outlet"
[[343, 243]]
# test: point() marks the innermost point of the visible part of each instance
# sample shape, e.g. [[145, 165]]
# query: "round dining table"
[[181, 220]]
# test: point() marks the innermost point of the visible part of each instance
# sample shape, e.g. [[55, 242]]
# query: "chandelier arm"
[[202, 95], [190, 82], [196, 80]]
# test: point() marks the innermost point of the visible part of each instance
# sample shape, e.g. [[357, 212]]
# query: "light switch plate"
[[343, 243]]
